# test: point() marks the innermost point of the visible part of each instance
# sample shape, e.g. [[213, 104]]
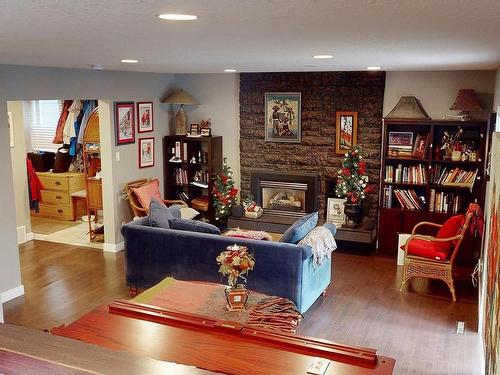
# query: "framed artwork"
[[145, 117], [194, 129], [206, 132], [11, 129], [335, 211], [146, 152], [283, 117], [124, 122], [346, 130]]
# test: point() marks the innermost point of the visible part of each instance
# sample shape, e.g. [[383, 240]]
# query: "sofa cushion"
[[193, 226], [146, 192], [159, 214], [426, 249], [300, 228]]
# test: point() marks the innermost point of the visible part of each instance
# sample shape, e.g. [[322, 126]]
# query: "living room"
[[235, 104]]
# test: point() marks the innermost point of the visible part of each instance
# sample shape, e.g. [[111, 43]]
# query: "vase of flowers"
[[451, 145], [352, 184], [235, 263]]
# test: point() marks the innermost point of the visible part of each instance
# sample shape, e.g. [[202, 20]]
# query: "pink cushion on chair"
[[426, 249], [146, 192]]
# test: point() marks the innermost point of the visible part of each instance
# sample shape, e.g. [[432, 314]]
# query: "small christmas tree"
[[224, 192], [352, 182]]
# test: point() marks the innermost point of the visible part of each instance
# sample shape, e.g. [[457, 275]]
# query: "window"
[[41, 117]]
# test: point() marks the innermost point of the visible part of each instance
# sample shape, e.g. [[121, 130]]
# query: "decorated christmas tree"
[[224, 192], [352, 181]]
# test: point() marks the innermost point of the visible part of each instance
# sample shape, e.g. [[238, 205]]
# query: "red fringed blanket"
[[208, 299]]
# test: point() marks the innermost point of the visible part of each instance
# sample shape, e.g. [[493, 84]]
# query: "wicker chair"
[[431, 268], [135, 205]]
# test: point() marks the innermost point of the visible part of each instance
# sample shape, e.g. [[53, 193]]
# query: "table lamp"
[[182, 98], [466, 102]]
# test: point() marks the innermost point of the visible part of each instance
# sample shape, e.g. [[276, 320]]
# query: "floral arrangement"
[[235, 262], [451, 142], [352, 181], [250, 205], [224, 192]]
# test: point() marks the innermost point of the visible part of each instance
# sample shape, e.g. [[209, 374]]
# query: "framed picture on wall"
[[124, 122], [145, 117], [335, 211], [283, 117], [146, 152], [346, 131]]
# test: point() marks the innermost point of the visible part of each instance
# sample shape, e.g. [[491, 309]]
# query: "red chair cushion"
[[426, 249], [450, 228]]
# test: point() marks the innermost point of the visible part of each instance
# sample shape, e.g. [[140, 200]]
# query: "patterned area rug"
[[208, 299]]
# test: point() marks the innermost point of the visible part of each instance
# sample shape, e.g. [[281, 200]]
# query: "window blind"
[[42, 117]]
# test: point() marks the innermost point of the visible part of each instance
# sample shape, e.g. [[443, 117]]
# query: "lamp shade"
[[180, 97], [466, 101], [408, 107]]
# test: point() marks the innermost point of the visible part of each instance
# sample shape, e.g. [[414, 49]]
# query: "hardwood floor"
[[363, 305]]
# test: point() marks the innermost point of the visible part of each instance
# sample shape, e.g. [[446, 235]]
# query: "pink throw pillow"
[[145, 193]]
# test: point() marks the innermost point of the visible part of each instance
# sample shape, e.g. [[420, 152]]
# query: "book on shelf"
[[180, 176], [182, 195], [443, 202], [453, 176], [413, 174], [400, 144], [408, 199], [387, 203]]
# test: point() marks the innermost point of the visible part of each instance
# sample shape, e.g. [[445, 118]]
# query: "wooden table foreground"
[[213, 345]]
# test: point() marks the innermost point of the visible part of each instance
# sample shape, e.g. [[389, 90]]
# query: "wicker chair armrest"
[[425, 223], [138, 208], [175, 201]]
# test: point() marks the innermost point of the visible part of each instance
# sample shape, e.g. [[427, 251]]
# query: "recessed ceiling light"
[[374, 68], [96, 66], [230, 70], [178, 17], [129, 61], [323, 56]]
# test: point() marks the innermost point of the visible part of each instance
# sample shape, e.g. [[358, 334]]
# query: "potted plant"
[[235, 263], [224, 194], [352, 184]]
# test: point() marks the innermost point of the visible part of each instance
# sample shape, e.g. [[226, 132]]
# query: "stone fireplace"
[[285, 194]]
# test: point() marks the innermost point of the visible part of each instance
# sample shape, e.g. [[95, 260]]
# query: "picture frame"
[[10, 123], [145, 117], [420, 146], [346, 131], [335, 211], [283, 117], [206, 132], [194, 129], [146, 152], [124, 122], [400, 144]]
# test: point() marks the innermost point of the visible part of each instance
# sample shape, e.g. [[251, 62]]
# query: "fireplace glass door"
[[283, 198]]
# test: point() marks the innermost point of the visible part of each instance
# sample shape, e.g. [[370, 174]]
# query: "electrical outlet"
[[117, 155], [460, 328]]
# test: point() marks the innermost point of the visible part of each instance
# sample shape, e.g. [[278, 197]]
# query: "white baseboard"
[[22, 236], [11, 293], [113, 247], [30, 236]]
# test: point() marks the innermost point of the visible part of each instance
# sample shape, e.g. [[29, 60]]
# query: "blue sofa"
[[281, 269]]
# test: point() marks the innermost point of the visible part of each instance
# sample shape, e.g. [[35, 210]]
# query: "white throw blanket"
[[322, 244]]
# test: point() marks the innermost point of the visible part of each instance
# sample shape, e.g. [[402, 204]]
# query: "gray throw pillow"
[[193, 226], [159, 214]]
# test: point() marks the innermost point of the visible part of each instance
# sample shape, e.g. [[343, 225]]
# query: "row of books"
[[414, 174], [181, 176], [409, 199], [180, 152], [444, 202], [457, 175]]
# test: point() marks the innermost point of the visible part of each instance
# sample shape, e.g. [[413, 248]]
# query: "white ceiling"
[[252, 35]]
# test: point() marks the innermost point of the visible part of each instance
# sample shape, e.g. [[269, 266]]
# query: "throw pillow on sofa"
[[300, 228], [193, 226], [159, 214]]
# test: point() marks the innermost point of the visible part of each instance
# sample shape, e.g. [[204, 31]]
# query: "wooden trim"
[[297, 344]]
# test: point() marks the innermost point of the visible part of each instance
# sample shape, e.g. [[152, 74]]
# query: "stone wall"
[[323, 93]]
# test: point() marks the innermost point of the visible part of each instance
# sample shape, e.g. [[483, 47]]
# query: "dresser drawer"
[[54, 182], [57, 212], [55, 197]]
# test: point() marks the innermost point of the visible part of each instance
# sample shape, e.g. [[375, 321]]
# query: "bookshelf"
[[420, 182], [190, 164]]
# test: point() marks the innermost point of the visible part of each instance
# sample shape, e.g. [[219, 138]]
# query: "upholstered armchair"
[[434, 257]]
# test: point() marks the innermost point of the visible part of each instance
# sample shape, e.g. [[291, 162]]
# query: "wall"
[[322, 94], [18, 157], [437, 90], [24, 83], [218, 98]]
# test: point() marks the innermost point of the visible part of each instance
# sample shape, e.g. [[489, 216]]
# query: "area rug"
[[208, 299]]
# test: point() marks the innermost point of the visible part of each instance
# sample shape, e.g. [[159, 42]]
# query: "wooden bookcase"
[[395, 219], [211, 152]]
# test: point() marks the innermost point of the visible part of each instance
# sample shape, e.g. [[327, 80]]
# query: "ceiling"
[[252, 35]]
